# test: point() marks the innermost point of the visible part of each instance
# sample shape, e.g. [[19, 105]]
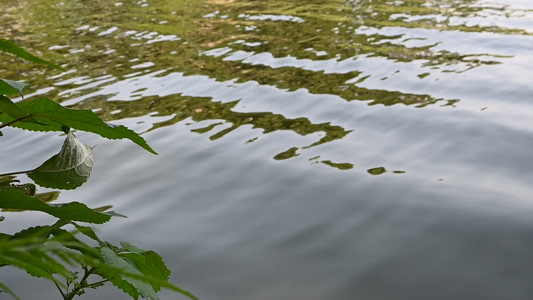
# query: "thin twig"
[[57, 286], [15, 121], [19, 172], [96, 283]]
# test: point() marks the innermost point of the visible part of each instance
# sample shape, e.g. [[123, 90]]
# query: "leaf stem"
[[19, 172], [14, 121], [96, 283]]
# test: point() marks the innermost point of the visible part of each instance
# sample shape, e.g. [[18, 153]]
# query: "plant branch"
[[82, 284]]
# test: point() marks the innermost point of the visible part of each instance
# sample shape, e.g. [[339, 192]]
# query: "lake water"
[[362, 149]]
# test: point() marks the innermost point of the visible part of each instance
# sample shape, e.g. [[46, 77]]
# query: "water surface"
[[307, 150]]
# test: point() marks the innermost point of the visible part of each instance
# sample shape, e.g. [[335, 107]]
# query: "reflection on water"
[[165, 58], [289, 109]]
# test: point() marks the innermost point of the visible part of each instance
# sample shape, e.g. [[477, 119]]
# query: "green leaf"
[[129, 247], [151, 264], [68, 169], [27, 188], [41, 255], [11, 109], [10, 47], [135, 263], [54, 117], [74, 211], [30, 255], [133, 286], [35, 264], [68, 240], [87, 231], [37, 232], [9, 87]]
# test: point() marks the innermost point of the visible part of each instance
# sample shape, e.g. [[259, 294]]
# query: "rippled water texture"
[[308, 149]]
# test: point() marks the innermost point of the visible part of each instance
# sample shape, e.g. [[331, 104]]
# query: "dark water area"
[[307, 149]]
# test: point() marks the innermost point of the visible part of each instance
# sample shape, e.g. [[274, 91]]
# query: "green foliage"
[[129, 265], [10, 47], [44, 251], [140, 272], [51, 251], [8, 87], [10, 108], [51, 116], [73, 211], [38, 251]]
